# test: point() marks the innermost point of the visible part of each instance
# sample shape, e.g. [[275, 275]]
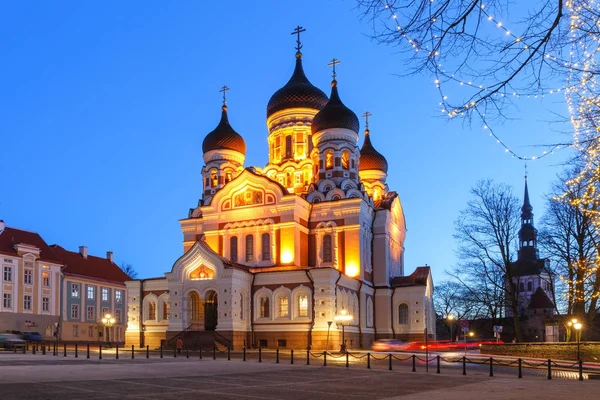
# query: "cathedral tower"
[[373, 167]]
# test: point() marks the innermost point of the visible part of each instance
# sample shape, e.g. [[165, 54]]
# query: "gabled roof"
[[527, 267], [418, 278], [91, 267], [10, 237], [540, 299]]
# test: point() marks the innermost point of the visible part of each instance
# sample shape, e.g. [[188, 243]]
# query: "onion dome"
[[335, 114], [224, 137], [370, 158], [298, 92]]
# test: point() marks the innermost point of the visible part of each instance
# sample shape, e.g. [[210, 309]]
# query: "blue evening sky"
[[104, 107]]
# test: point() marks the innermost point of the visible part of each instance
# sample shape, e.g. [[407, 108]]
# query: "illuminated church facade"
[[272, 255]]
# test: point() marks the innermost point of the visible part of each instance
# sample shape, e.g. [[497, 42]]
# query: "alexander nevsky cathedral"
[[288, 254]]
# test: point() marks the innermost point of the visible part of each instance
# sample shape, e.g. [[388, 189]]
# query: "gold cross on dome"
[[297, 31], [366, 116], [224, 90], [333, 63]]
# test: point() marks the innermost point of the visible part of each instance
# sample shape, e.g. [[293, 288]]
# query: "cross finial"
[[526, 170], [298, 31], [333, 63], [224, 90], [366, 116]]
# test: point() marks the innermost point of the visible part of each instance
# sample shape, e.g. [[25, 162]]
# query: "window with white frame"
[[91, 331], [74, 311], [303, 305], [118, 316], [91, 313], [91, 292], [27, 302], [45, 304], [118, 296], [151, 310], [76, 330], [283, 310], [46, 279], [104, 294], [327, 248], [403, 314], [28, 276], [233, 248], [265, 307], [8, 270], [166, 310], [75, 290], [249, 248], [7, 300], [266, 247]]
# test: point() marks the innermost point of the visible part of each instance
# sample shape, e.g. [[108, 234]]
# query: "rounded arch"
[[150, 307], [348, 184], [353, 194], [301, 302], [326, 183], [282, 298], [403, 314], [164, 307], [263, 303], [335, 194], [315, 197], [369, 312]]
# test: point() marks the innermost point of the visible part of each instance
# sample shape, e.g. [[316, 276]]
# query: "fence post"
[[99, 352], [228, 353], [464, 365], [244, 354], [368, 360], [33, 348], [201, 352], [147, 351], [132, 352], [64, 349], [175, 351], [307, 357], [187, 352], [520, 368], [117, 351], [549, 369], [438, 364], [277, 356], [76, 351], [292, 356], [43, 349], [491, 366], [390, 358], [324, 358], [214, 352], [88, 351], [259, 354], [414, 362], [580, 370], [161, 351], [347, 363], [54, 349]]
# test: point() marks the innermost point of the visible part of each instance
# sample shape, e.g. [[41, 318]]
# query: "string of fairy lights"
[[442, 76]]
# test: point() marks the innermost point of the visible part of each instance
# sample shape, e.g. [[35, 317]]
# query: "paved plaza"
[[48, 377]]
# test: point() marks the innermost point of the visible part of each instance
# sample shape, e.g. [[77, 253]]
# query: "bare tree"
[[486, 232], [129, 270], [569, 238], [451, 298]]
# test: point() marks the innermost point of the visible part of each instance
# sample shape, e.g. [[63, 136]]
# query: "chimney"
[[2, 226], [83, 251], [109, 256]]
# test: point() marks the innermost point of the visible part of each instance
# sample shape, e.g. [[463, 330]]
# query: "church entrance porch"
[[203, 314], [211, 312]]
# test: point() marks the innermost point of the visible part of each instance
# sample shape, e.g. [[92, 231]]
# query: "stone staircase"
[[194, 339]]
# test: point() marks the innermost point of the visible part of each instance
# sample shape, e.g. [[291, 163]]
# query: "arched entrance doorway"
[[196, 310], [210, 311]]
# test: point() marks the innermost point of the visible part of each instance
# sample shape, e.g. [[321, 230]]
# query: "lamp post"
[[108, 321], [342, 318], [450, 319], [577, 327], [570, 324], [328, 328]]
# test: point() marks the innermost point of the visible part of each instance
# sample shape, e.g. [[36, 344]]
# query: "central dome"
[[298, 92]]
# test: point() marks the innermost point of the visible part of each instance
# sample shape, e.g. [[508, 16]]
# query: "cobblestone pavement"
[[56, 377]]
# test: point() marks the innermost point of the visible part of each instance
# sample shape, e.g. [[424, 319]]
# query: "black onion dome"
[[335, 114], [224, 137], [371, 158], [298, 92]]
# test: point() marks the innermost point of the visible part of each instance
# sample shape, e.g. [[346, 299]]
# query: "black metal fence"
[[348, 359]]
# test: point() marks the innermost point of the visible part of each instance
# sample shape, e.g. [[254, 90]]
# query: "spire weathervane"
[[333, 63], [224, 90], [298, 31], [366, 116], [525, 170]]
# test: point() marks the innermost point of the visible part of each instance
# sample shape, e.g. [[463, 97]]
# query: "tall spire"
[[527, 233]]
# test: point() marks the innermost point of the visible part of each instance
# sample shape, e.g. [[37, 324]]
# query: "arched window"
[[403, 314], [521, 287], [529, 286], [327, 249], [266, 247], [166, 310], [265, 307], [233, 248], [152, 310], [303, 305], [288, 147], [346, 159], [369, 312], [228, 176], [213, 178], [376, 194], [241, 306], [284, 303], [249, 248], [329, 159], [288, 179]]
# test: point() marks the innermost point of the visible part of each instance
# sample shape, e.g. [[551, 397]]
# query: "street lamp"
[[342, 318], [577, 327], [571, 324], [450, 319], [108, 321]]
